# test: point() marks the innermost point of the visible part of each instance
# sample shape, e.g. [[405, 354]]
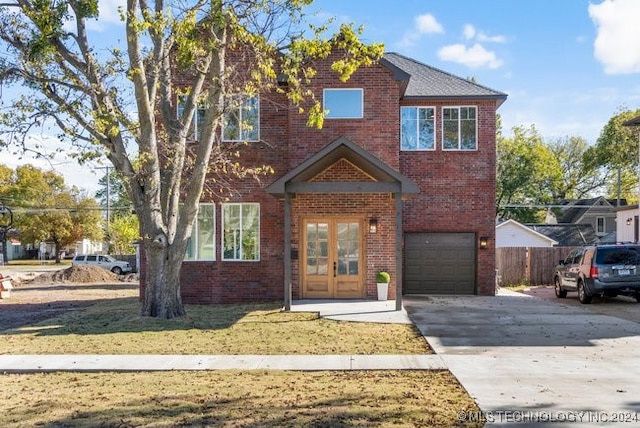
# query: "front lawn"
[[235, 398], [114, 327]]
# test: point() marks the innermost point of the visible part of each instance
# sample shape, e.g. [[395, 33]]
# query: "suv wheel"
[[117, 270], [582, 294], [560, 293]]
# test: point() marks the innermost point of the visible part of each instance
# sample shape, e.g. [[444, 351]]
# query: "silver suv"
[[106, 262], [600, 270]]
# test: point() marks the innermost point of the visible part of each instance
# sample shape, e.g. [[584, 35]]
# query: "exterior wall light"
[[483, 243], [373, 225], [629, 220]]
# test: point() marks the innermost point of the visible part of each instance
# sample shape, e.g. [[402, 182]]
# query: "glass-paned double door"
[[332, 264]]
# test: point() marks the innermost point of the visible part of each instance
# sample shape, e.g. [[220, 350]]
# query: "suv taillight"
[[593, 272]]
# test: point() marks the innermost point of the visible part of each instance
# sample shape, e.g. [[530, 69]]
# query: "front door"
[[332, 265]]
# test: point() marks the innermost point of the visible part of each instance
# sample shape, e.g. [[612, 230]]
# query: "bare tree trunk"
[[57, 249], [162, 288]]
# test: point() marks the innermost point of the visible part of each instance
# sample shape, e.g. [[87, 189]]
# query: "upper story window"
[[343, 103], [417, 128], [201, 245], [600, 226], [242, 119], [241, 232], [198, 120], [459, 128]]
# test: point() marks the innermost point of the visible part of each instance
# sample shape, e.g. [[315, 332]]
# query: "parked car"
[[600, 270], [106, 262]]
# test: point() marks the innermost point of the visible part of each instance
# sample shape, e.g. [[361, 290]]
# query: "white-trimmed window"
[[241, 231], [343, 103], [600, 225], [198, 120], [459, 128], [242, 118], [417, 128], [201, 245]]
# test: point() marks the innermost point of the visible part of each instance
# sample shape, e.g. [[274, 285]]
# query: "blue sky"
[[566, 65]]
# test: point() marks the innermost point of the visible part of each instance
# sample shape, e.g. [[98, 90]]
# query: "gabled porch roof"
[[385, 178]]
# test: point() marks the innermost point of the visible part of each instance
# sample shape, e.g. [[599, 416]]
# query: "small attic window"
[[345, 103]]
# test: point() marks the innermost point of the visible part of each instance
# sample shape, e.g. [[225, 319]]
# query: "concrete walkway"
[[124, 363]]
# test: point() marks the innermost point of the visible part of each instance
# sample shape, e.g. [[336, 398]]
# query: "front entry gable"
[[308, 177], [343, 170], [315, 176]]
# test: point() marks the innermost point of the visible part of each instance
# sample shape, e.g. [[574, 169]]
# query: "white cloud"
[[475, 56], [469, 32], [482, 37], [617, 44], [423, 24], [428, 24]]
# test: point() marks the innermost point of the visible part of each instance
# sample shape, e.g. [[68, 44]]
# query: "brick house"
[[400, 178]]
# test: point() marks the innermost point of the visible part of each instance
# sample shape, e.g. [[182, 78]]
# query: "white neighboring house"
[[627, 224], [87, 246], [511, 233]]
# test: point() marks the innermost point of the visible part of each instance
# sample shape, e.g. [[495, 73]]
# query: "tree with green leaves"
[[113, 192], [124, 104], [47, 210], [527, 173], [124, 231], [532, 171], [617, 150], [579, 179]]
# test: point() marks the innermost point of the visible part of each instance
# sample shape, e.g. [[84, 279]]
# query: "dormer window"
[[343, 103]]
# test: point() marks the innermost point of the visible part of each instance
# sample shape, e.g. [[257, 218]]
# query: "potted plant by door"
[[382, 279]]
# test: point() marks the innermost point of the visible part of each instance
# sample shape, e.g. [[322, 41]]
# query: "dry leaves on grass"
[[237, 398]]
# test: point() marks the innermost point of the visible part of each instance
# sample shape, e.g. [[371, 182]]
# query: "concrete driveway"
[[528, 361]]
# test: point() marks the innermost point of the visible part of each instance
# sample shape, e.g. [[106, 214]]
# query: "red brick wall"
[[457, 189], [379, 130]]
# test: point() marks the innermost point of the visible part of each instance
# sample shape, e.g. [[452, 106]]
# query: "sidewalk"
[[125, 363]]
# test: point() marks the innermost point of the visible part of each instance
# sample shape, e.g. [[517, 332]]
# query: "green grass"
[[228, 398], [114, 327]]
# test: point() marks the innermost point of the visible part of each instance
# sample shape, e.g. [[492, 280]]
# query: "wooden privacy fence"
[[528, 265]]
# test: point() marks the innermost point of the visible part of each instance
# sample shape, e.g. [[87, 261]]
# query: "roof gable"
[[577, 210], [343, 149], [516, 226], [425, 81]]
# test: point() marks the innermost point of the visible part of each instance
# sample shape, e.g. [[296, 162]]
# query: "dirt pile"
[[76, 274]]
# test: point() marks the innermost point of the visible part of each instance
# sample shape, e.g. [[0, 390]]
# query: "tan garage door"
[[439, 263]]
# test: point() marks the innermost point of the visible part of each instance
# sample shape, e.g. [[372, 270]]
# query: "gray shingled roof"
[[577, 208], [425, 81], [568, 234]]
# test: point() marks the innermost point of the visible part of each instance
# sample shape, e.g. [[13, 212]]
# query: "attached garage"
[[439, 263]]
